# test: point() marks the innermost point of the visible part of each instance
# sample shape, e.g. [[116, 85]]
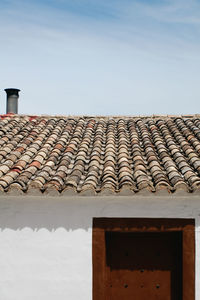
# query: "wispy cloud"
[[174, 11], [142, 24]]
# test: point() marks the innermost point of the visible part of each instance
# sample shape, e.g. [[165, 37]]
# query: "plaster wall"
[[46, 242]]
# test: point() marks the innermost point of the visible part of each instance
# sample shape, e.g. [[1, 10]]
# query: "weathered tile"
[[89, 155]]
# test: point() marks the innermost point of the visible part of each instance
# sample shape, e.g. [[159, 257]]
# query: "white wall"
[[46, 242]]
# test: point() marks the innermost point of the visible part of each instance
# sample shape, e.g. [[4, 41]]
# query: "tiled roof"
[[97, 155]]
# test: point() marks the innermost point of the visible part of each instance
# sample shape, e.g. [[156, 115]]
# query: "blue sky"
[[116, 57]]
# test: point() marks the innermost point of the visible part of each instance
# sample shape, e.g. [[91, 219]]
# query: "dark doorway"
[[144, 265], [143, 259]]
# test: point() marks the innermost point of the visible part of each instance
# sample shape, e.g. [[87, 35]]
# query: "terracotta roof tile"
[[106, 155]]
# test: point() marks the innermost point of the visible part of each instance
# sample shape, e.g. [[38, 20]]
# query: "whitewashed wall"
[[46, 242]]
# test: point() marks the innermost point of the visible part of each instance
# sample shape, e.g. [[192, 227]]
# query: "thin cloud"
[[133, 27], [171, 11]]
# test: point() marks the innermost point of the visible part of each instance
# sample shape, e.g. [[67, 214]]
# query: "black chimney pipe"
[[12, 100]]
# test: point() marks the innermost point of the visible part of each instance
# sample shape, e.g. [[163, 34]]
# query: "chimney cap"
[[12, 91]]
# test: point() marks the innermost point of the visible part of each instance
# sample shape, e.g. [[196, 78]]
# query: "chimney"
[[12, 100]]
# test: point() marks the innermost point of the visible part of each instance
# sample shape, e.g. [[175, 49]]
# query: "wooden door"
[[143, 259], [143, 266]]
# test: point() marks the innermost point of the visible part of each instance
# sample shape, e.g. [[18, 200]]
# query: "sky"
[[101, 57]]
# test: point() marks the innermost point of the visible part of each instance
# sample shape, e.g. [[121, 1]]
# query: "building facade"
[[79, 195]]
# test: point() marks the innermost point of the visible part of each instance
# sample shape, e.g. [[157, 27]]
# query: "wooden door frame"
[[101, 225]]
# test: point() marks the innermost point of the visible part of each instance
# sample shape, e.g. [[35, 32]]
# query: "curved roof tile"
[[91, 155]]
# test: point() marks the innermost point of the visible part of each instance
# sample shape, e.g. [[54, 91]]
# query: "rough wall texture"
[[46, 244]]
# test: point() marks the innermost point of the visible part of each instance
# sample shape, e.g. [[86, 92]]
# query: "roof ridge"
[[105, 117]]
